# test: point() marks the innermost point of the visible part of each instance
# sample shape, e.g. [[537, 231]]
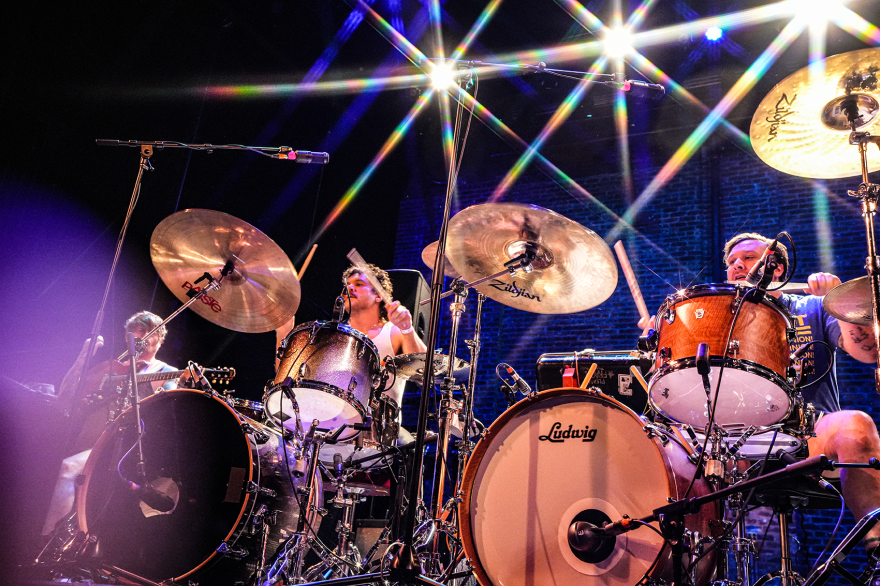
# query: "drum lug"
[[733, 348], [664, 353], [669, 315], [253, 487], [652, 431], [352, 385], [226, 550], [361, 349]]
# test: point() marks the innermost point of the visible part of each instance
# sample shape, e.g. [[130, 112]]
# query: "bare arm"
[[858, 341], [401, 319]]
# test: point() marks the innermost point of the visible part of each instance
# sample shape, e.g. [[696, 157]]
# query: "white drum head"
[[561, 457], [320, 402], [746, 398]]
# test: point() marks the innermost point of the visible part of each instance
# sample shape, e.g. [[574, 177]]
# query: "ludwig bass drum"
[[565, 456], [228, 477]]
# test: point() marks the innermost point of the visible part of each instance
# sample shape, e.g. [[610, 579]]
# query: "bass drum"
[[572, 455], [226, 474]]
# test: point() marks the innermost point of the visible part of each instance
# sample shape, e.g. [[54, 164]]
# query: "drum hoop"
[[339, 327], [719, 289], [743, 365], [82, 490], [473, 464], [346, 396]]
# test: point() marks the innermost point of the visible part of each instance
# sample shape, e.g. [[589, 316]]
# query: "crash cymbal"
[[851, 302], [574, 269], [259, 295], [428, 255], [800, 127], [412, 367]]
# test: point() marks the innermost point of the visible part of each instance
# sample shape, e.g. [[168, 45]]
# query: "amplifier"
[[612, 375]]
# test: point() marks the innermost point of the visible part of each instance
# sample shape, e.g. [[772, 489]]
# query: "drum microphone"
[[306, 157], [754, 278], [150, 496], [518, 383]]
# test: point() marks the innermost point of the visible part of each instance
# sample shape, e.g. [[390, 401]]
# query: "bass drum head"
[[193, 446], [565, 456]]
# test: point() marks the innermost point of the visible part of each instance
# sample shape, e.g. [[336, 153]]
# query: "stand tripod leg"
[[823, 572]]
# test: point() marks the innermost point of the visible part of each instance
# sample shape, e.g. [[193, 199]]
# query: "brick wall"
[[679, 235]]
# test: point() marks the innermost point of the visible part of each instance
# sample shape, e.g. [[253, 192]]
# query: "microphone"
[[788, 459], [304, 157], [518, 383], [753, 278], [638, 89], [339, 308], [150, 496]]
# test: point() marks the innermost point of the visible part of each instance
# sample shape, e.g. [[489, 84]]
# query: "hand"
[[646, 322], [399, 315], [821, 283]]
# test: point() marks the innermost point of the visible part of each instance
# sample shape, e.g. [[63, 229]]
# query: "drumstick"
[[631, 280], [638, 376], [305, 265], [589, 375], [358, 261]]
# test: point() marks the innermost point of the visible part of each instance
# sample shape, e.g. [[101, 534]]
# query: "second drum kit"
[[245, 482]]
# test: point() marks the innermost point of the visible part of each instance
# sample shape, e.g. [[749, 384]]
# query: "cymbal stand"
[[465, 445], [448, 408], [867, 193]]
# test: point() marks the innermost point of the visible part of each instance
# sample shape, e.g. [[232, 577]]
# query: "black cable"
[[830, 366]]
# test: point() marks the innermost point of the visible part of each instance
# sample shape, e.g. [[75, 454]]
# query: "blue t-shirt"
[[812, 322]]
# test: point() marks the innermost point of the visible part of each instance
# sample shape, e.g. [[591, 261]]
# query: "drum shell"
[[331, 353], [679, 471], [761, 328], [224, 476]]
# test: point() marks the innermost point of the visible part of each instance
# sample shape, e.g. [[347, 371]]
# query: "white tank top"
[[386, 348]]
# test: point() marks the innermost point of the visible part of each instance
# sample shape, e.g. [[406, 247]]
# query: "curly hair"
[[381, 276]]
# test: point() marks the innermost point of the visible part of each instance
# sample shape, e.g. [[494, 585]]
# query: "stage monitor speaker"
[[410, 288]]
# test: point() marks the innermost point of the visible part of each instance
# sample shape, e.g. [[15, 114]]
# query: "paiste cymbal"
[[800, 127], [259, 295], [428, 255], [851, 302], [574, 269]]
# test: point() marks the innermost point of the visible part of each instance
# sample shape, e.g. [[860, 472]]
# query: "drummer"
[[72, 466], [842, 435]]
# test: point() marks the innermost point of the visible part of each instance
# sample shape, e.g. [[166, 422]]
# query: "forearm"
[[858, 341]]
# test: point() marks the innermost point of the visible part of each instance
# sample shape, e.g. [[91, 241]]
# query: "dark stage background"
[[73, 74]]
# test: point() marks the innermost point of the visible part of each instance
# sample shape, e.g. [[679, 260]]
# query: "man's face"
[[743, 257], [153, 342], [362, 293]]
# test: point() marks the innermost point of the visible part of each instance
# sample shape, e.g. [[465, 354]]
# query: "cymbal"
[[428, 255], [851, 302], [800, 127], [574, 269], [412, 367], [260, 294]]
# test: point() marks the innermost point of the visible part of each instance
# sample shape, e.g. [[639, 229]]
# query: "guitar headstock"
[[220, 375]]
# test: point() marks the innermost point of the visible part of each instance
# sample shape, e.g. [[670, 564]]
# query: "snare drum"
[[571, 455], [226, 475], [754, 388], [334, 369]]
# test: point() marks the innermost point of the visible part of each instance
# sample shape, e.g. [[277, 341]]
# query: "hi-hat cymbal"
[[428, 255], [574, 269], [801, 128], [259, 295], [851, 302], [412, 367]]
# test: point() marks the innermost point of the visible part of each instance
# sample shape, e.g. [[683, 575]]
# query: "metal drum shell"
[[667, 456]]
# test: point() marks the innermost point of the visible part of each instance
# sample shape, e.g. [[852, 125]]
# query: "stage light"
[[714, 33], [617, 43], [443, 76], [818, 11]]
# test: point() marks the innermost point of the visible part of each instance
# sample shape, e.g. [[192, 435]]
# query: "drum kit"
[[558, 489]]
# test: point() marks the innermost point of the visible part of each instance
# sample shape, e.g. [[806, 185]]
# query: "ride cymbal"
[[851, 302], [573, 268], [260, 293], [801, 127], [412, 367]]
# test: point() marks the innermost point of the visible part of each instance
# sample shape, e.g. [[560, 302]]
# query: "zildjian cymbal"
[[428, 255], [412, 367], [851, 302], [259, 294], [573, 268], [801, 126]]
